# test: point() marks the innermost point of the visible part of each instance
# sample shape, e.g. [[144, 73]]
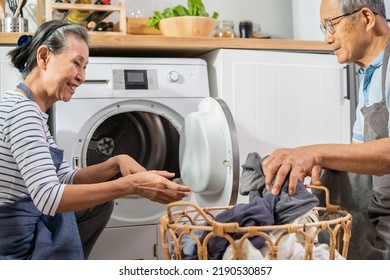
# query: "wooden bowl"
[[137, 26], [187, 26]]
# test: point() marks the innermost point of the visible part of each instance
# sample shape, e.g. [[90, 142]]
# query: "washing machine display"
[[139, 106], [134, 79]]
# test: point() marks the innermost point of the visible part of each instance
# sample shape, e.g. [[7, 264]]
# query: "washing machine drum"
[[149, 138]]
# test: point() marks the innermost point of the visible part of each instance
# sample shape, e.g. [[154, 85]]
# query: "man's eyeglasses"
[[329, 25]]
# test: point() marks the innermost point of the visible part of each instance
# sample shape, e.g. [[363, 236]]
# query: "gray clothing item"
[[91, 222], [352, 192], [287, 207], [252, 175]]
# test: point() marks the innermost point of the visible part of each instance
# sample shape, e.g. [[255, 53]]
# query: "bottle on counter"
[[246, 29], [79, 16], [104, 26], [224, 29], [98, 16]]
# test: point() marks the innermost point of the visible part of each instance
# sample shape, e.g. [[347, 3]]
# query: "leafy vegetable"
[[195, 8]]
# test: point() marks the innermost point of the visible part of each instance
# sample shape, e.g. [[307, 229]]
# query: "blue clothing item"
[[57, 155], [259, 212], [26, 90], [370, 92], [188, 244], [26, 233]]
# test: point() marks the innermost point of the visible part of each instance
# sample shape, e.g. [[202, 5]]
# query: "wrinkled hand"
[[128, 165], [316, 175], [156, 186], [293, 164]]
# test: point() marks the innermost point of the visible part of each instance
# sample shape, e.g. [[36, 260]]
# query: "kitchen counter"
[[146, 45]]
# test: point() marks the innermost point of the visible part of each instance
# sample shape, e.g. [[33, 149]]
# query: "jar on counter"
[[224, 29], [256, 30]]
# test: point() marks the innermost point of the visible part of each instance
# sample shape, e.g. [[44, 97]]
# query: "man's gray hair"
[[348, 6]]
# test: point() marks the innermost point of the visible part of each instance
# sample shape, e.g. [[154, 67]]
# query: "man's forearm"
[[367, 158]]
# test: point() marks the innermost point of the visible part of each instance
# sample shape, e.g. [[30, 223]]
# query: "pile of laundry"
[[263, 209]]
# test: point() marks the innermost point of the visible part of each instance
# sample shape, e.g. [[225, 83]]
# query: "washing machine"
[[158, 111]]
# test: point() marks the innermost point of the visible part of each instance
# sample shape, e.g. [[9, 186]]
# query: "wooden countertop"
[[103, 44]]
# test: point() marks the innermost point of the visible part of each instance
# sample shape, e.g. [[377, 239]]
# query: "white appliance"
[[9, 75], [387, 6], [148, 108]]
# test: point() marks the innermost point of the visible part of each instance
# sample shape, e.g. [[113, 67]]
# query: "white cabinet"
[[9, 75], [281, 99]]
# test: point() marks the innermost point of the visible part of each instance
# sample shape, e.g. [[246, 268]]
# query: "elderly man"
[[358, 32]]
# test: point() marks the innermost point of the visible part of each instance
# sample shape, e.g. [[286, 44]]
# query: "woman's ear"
[[43, 55]]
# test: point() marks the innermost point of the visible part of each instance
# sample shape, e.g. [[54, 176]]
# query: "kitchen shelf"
[[149, 45], [120, 8]]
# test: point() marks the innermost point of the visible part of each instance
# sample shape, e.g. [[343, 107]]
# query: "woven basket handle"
[[331, 208]]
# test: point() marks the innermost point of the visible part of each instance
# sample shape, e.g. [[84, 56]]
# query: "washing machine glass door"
[[208, 154]]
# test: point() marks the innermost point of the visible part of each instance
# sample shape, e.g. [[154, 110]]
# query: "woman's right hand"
[[156, 186]]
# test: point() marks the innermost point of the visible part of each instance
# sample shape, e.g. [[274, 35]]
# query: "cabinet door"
[[282, 99]]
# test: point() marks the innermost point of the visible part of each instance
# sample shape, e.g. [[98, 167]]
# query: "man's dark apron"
[[366, 197], [25, 233]]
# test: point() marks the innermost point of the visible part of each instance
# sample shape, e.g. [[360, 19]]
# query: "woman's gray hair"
[[378, 6], [53, 34]]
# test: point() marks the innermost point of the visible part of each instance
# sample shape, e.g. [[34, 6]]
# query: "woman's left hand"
[[128, 165]]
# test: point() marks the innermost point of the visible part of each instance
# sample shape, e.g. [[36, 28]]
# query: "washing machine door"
[[208, 154]]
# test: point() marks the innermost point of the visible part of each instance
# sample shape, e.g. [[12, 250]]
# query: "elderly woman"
[[47, 209]]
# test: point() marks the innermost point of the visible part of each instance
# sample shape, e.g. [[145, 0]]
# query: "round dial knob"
[[173, 76]]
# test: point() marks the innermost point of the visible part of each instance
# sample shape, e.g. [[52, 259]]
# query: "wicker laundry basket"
[[189, 217]]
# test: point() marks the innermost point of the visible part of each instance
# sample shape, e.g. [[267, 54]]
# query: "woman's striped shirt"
[[26, 166]]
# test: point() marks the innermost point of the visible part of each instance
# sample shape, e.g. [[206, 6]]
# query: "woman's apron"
[[366, 197], [25, 233]]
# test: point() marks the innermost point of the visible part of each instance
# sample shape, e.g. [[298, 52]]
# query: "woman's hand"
[[127, 165], [156, 186]]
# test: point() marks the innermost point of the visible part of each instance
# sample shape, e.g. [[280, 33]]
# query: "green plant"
[[195, 8]]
